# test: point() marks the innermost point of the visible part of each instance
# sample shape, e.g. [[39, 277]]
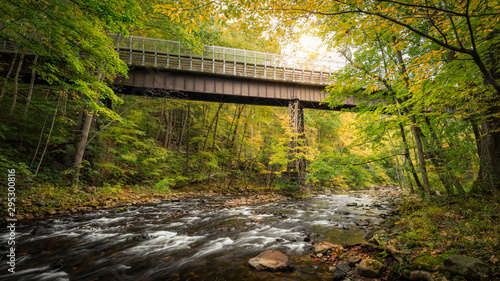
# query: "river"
[[186, 240]]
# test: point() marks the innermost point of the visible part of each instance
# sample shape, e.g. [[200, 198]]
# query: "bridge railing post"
[[156, 54], [179, 54], [213, 59], [234, 61], [143, 51], [130, 48], [255, 65]]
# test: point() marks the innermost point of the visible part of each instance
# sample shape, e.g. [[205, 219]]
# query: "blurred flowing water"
[[153, 243]]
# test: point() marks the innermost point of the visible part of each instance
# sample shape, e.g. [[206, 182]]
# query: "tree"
[[462, 33]]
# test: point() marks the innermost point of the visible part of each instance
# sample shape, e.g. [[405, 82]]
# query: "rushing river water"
[[185, 240]]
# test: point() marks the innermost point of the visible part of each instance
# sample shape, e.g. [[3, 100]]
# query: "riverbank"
[[46, 200], [444, 239]]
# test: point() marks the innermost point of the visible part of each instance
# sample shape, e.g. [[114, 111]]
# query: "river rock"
[[352, 204], [254, 218], [370, 268], [468, 267], [321, 248], [341, 270], [344, 267], [271, 261], [42, 230], [338, 275], [362, 222], [370, 213], [417, 275], [352, 260]]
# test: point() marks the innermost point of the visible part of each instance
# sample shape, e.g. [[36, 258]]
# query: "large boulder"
[[370, 268], [271, 261], [469, 268]]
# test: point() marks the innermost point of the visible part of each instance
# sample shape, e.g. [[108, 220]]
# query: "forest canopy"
[[426, 75]]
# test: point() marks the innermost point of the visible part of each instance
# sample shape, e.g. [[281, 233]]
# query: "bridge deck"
[[143, 51], [166, 68]]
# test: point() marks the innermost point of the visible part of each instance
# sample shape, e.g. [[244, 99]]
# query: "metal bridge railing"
[[160, 53], [144, 51]]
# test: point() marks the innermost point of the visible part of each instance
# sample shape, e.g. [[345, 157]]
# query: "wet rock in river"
[[352, 204], [271, 261], [42, 230], [140, 237], [370, 213], [254, 218], [370, 268], [362, 222], [299, 229]]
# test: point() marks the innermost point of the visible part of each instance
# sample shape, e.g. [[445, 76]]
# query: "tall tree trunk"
[[417, 134], [477, 136], [408, 158], [490, 153], [80, 151], [167, 128], [159, 124], [440, 160], [16, 84], [211, 124], [168, 136], [215, 130], [188, 140], [39, 140], [64, 102], [236, 120], [32, 84], [184, 122], [4, 86], [408, 175], [48, 137]]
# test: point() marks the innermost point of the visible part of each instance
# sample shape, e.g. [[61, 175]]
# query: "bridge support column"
[[296, 165]]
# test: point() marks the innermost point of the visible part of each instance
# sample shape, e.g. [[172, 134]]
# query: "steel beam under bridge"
[[200, 86]]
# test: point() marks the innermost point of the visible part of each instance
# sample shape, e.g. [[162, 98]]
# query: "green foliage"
[[436, 230]]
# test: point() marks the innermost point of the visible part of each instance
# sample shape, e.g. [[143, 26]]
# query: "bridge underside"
[[217, 88], [210, 87]]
